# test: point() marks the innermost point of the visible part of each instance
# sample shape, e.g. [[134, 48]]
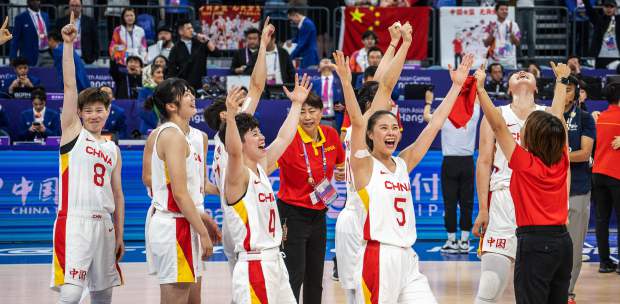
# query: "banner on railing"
[[357, 20], [225, 24], [463, 30]]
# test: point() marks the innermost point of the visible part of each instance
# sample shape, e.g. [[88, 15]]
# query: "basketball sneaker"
[[463, 247], [335, 271], [450, 247], [571, 299], [607, 267]]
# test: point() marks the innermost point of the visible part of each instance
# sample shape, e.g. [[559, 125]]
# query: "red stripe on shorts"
[[60, 237], [257, 281], [184, 238], [370, 270]]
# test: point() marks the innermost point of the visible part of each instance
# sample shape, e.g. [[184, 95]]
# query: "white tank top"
[[163, 200], [386, 210], [253, 221], [86, 175], [196, 138], [500, 176], [352, 196], [218, 167]]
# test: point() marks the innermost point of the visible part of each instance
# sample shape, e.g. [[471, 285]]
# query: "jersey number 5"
[[99, 172], [403, 220]]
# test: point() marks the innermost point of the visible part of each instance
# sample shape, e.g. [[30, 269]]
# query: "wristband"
[[563, 80], [393, 46]]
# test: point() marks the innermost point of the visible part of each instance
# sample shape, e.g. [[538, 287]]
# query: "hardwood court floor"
[[452, 282]]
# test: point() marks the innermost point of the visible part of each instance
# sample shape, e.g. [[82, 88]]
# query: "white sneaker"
[[450, 247], [464, 247]]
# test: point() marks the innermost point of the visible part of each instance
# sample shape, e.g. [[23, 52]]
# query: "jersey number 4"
[[402, 220], [272, 222], [99, 172]]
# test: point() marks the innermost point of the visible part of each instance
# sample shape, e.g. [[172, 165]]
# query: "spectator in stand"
[[128, 80], [56, 45], [359, 59], [116, 122], [188, 57], [503, 38], [605, 35], [606, 176], [30, 36], [280, 69], [148, 118], [21, 84], [306, 48], [163, 46], [395, 3], [374, 58], [86, 44], [329, 89], [581, 135], [113, 13], [361, 2], [147, 72], [39, 122], [127, 40], [496, 86], [241, 58], [4, 123]]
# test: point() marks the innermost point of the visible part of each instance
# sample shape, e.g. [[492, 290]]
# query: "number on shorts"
[[403, 220], [99, 171], [272, 222]]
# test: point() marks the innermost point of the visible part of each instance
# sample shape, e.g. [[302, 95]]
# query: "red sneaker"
[[571, 300]]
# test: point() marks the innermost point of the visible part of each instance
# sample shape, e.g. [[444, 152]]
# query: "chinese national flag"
[[357, 20]]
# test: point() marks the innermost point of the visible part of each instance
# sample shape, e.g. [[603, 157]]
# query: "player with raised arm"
[[88, 231], [251, 210], [5, 35]]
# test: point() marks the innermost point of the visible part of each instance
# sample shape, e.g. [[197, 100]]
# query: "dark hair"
[[170, 90], [251, 30], [370, 71], [572, 80], [212, 113], [368, 34], [54, 35], [366, 94], [314, 101], [125, 10], [245, 123], [161, 56], [293, 10], [490, 68], [135, 58], [183, 22], [372, 121], [612, 93], [19, 60], [374, 49], [500, 3], [91, 96], [571, 56], [545, 137], [157, 66], [38, 93]]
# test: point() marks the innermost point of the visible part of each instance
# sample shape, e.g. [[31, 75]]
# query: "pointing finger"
[[6, 23], [72, 18]]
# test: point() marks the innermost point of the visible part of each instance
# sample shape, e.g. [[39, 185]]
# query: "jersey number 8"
[[99, 172]]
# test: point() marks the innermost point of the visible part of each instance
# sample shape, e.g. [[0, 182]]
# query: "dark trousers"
[[304, 249], [606, 194], [543, 265], [457, 187]]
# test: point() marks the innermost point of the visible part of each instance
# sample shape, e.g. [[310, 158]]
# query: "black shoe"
[[607, 267], [618, 269], [335, 271]]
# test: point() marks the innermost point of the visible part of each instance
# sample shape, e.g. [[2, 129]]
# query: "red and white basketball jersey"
[[500, 176], [163, 200], [387, 211], [351, 193], [86, 175], [253, 221], [197, 139]]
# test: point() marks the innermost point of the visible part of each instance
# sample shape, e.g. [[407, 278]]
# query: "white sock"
[[452, 236], [464, 236]]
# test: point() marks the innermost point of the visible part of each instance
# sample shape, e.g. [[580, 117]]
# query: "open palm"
[[459, 75], [301, 91], [342, 66]]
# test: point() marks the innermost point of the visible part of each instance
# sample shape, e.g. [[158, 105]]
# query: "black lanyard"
[[310, 178]]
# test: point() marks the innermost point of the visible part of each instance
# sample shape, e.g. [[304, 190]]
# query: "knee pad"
[[493, 277], [70, 294], [101, 296]]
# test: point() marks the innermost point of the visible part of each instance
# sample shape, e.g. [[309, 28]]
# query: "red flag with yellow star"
[[357, 20]]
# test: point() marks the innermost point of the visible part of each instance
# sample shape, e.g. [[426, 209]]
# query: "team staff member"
[[301, 210], [606, 177], [538, 188]]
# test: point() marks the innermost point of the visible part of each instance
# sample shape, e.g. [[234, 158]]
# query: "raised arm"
[[119, 206], [259, 73], [416, 151], [5, 35], [234, 187], [69, 119], [288, 129], [561, 71], [386, 61], [494, 117], [484, 165], [428, 102], [383, 100]]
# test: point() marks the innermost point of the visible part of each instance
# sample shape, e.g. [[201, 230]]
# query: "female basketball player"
[[539, 186], [88, 243], [388, 271], [495, 224], [251, 210], [177, 236], [348, 233]]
